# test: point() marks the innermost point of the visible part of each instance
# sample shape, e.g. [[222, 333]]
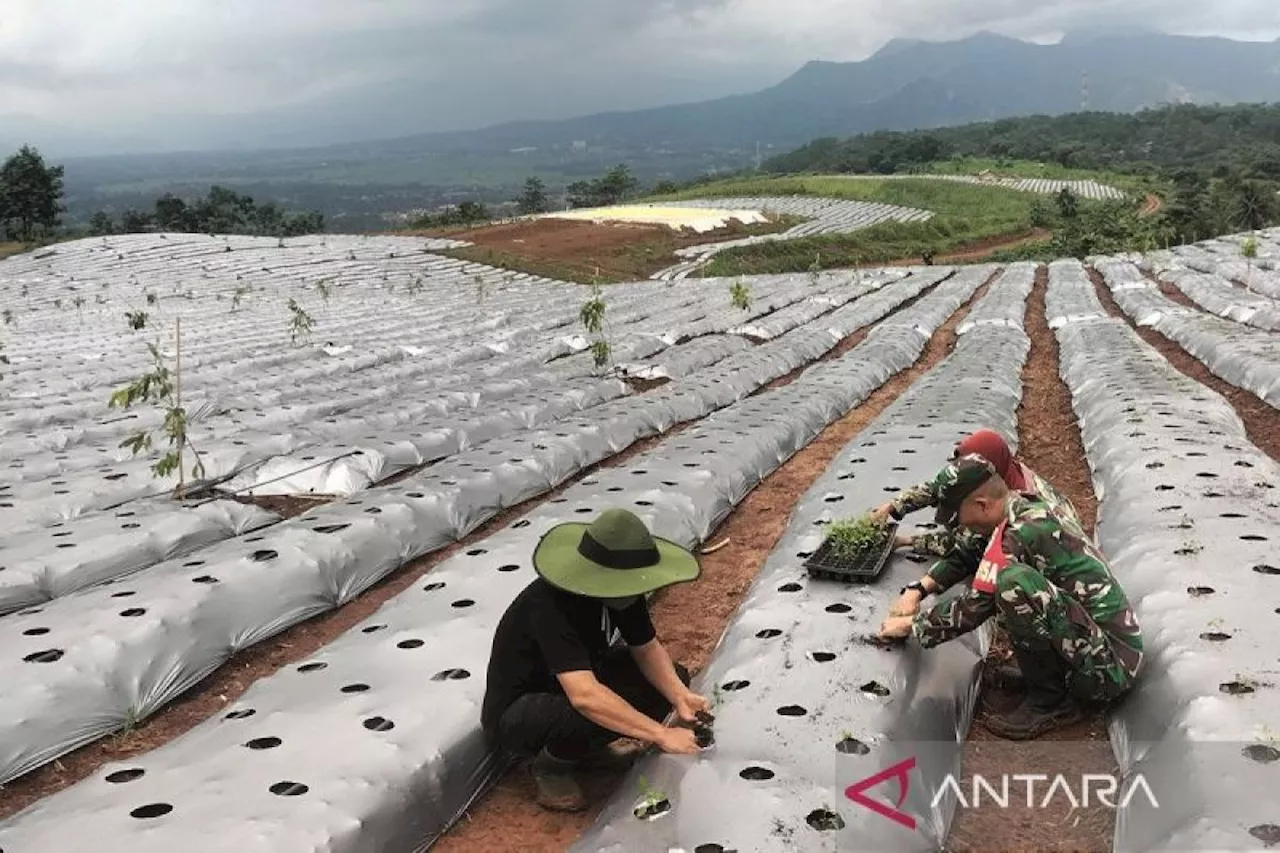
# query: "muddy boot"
[[616, 756], [1006, 676], [1048, 704], [558, 789]]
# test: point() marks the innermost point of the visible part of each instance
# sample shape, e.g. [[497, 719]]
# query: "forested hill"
[[1216, 141]]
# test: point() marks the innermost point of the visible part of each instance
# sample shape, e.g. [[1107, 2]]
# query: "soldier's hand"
[[881, 514], [895, 627], [908, 604], [903, 541]]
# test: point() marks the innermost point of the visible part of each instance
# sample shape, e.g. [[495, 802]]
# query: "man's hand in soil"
[[896, 627], [678, 740], [908, 604], [689, 704]]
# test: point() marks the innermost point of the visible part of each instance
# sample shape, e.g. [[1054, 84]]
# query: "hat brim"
[[556, 559]]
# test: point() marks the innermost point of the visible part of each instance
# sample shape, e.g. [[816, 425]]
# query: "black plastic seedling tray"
[[860, 567]]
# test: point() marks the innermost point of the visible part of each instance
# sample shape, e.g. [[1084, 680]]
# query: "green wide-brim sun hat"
[[559, 558]]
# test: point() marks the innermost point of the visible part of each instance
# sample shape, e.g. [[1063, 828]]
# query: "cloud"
[[170, 71]]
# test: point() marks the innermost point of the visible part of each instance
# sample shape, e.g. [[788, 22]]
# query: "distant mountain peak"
[[897, 45]]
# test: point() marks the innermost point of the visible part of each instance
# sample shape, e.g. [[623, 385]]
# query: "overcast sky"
[[154, 74]]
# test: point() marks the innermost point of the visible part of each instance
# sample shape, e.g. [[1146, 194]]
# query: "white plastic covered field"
[[430, 395]]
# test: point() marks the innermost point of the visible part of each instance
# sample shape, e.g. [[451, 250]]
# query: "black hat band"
[[632, 559]]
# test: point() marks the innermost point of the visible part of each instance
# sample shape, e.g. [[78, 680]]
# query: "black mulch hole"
[[191, 564], [875, 687], [373, 510], [264, 743], [524, 522], [709, 848], [823, 657], [1215, 636], [1197, 591], [735, 685], [331, 528], [432, 587], [133, 611], [834, 499], [46, 656], [852, 746], [1235, 688], [792, 711], [463, 602], [1232, 515], [409, 644], [379, 724], [355, 688], [838, 608], [756, 774], [583, 510], [35, 632], [288, 789], [263, 556], [312, 667], [768, 633], [790, 587], [151, 810], [1208, 475], [205, 579], [240, 715], [824, 820], [1263, 754], [372, 629], [1253, 537], [125, 775], [124, 594], [1267, 833], [476, 552], [510, 567], [1264, 569], [451, 675]]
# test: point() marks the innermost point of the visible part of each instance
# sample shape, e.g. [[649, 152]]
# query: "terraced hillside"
[[292, 657]]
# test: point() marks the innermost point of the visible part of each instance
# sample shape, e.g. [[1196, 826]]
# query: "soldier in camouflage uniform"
[[1073, 631], [992, 447]]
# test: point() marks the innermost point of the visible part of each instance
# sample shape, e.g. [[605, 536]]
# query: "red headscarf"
[[992, 447]]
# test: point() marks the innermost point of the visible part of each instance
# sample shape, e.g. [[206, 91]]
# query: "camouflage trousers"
[[1038, 615]]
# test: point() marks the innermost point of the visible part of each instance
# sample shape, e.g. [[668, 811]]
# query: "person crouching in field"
[[1073, 632], [557, 691]]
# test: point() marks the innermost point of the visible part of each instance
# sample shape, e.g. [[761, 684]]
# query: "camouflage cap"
[[956, 482]]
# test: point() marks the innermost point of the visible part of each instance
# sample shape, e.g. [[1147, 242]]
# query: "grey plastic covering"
[[413, 756], [57, 561], [1042, 186], [185, 617], [1217, 294], [1188, 516], [1245, 357], [823, 215], [1223, 257], [799, 646]]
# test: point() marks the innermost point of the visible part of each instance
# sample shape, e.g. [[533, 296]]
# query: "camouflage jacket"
[[1036, 537], [939, 542]]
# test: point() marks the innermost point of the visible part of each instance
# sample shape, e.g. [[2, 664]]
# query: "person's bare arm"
[[607, 709], [656, 666]]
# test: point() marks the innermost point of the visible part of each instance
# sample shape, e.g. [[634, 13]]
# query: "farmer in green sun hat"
[[558, 692]]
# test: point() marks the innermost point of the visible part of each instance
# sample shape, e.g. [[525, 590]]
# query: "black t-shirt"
[[547, 631]]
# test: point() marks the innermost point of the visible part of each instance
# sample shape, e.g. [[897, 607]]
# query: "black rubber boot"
[[1006, 676], [1048, 704], [558, 788]]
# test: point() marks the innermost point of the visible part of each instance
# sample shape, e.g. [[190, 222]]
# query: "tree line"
[[1221, 164], [31, 208], [222, 211]]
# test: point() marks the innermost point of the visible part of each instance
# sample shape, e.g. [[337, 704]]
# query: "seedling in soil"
[[652, 801], [240, 293], [162, 388], [137, 319], [702, 732], [815, 269], [57, 303], [8, 316], [592, 316], [415, 286], [1249, 249], [324, 287], [300, 323], [740, 295], [152, 299], [480, 288]]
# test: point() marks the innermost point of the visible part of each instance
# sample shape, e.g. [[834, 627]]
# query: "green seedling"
[[653, 802], [740, 295], [592, 316], [240, 293], [324, 287], [856, 535], [137, 319], [300, 323]]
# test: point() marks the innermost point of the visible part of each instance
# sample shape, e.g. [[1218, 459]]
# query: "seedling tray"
[[863, 566]]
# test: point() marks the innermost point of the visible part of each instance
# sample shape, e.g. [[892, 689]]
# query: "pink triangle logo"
[[899, 771]]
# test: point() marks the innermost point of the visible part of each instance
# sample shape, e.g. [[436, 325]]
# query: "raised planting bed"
[[855, 551]]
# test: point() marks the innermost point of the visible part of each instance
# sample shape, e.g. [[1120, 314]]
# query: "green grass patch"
[[963, 214]]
